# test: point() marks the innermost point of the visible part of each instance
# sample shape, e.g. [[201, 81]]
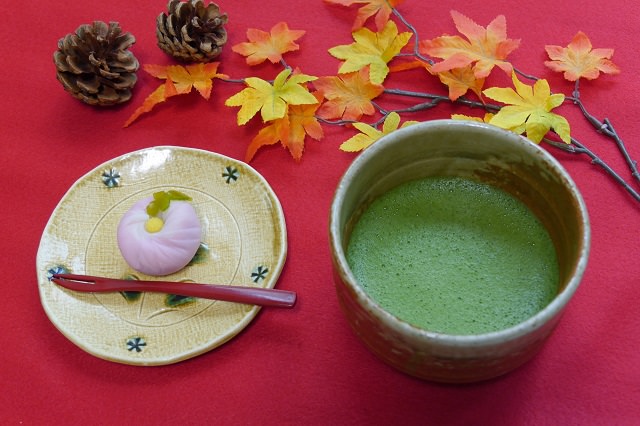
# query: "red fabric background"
[[304, 366]]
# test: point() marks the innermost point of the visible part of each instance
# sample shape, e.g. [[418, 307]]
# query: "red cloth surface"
[[305, 366]]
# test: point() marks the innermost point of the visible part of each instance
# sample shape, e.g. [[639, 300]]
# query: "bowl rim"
[[542, 317]]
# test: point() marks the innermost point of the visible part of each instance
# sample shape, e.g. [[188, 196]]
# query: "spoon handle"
[[239, 294]]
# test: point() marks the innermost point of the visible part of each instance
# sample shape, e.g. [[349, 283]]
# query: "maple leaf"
[[485, 48], [369, 134], [271, 45], [271, 100], [374, 49], [580, 60], [380, 8], [460, 81], [528, 109], [411, 65], [302, 122], [349, 95], [485, 119], [290, 130], [179, 80], [276, 131]]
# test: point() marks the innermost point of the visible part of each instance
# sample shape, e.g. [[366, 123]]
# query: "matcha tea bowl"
[[456, 247]]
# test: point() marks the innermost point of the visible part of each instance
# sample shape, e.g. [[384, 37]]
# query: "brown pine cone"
[[192, 32], [95, 65]]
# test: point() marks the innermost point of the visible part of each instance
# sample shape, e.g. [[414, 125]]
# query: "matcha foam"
[[454, 256]]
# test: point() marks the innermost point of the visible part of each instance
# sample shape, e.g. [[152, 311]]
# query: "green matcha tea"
[[454, 256]]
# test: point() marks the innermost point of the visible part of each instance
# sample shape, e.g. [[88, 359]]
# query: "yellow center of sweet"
[[153, 224]]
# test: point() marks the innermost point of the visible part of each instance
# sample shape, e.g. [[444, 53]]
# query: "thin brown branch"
[[575, 147], [436, 99], [416, 44], [527, 76], [606, 128]]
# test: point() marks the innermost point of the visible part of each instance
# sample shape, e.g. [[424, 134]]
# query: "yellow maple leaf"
[[179, 80], [271, 45], [580, 60], [380, 8], [349, 95], [369, 134], [528, 110], [271, 100], [485, 119], [485, 48], [374, 49], [290, 130]]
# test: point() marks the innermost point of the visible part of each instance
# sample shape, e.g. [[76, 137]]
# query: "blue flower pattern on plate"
[[58, 269], [136, 344], [111, 178], [230, 174], [260, 273]]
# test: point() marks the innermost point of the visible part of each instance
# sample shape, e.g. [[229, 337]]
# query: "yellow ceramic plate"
[[244, 243]]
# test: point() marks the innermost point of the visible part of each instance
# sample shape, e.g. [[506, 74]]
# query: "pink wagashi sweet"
[[160, 235]]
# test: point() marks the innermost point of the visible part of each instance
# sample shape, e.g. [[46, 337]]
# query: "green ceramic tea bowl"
[[483, 153]]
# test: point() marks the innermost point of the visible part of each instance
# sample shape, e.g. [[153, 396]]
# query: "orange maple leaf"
[[460, 81], [290, 130], [276, 131], [485, 48], [179, 80], [349, 95], [271, 45], [410, 65], [580, 60], [380, 8]]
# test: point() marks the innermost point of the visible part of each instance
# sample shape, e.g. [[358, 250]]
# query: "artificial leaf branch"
[[295, 105], [469, 61]]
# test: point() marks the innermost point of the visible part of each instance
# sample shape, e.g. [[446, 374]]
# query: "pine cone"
[[192, 32], [95, 65]]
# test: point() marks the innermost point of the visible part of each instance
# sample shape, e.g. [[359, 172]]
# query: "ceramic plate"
[[244, 243]]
